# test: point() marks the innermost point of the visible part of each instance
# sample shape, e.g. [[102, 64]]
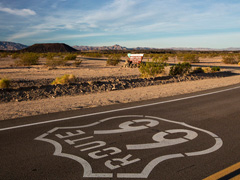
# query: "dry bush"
[[207, 69], [4, 83], [230, 59], [65, 79]]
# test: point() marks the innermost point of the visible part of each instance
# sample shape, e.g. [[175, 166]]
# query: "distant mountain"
[[118, 47], [49, 47], [4, 45], [94, 48]]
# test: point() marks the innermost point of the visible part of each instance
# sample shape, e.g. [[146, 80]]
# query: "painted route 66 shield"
[[129, 146]]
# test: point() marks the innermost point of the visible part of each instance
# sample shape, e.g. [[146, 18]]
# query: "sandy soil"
[[96, 68]]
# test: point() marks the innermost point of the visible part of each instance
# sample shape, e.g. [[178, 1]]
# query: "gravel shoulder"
[[45, 106]]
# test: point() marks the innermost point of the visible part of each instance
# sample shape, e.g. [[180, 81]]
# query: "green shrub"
[[192, 58], [152, 69], [215, 68], [65, 79], [28, 59], [70, 57], [230, 59], [113, 59], [4, 83], [180, 69]]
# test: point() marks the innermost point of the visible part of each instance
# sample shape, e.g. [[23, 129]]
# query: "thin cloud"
[[19, 12]]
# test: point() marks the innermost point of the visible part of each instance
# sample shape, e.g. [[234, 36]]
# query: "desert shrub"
[[230, 59], [198, 70], [180, 56], [3, 55], [180, 69], [207, 69], [70, 57], [65, 79], [77, 63], [152, 69], [113, 59], [192, 58], [216, 68], [4, 83], [15, 55], [28, 59], [56, 61], [160, 58]]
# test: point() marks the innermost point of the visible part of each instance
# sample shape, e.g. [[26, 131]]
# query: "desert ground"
[[92, 68]]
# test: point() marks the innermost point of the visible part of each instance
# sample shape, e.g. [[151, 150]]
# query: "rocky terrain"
[[24, 90], [10, 46]]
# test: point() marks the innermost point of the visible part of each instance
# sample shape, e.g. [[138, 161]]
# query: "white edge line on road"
[[115, 110]]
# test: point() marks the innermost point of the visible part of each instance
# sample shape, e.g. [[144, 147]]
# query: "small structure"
[[134, 60]]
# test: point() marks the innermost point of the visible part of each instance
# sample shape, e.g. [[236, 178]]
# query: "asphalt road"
[[182, 137]]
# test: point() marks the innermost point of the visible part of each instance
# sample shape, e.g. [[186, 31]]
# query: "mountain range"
[[4, 45]]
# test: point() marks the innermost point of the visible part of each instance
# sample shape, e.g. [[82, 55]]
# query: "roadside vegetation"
[[113, 59], [4, 83], [27, 59], [154, 68], [180, 69], [65, 79]]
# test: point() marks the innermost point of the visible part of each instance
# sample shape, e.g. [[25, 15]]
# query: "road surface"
[[183, 137]]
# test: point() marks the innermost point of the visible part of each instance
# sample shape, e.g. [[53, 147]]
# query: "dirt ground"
[[92, 69]]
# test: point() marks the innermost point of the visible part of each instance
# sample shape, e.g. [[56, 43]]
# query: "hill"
[[11, 46], [49, 47]]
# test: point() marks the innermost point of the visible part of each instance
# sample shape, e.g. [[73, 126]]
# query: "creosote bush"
[[70, 57], [215, 69], [152, 69], [27, 59], [230, 59], [4, 83], [180, 69], [56, 61], [192, 58], [113, 59], [65, 79]]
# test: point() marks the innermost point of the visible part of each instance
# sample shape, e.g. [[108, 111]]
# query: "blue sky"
[[131, 23]]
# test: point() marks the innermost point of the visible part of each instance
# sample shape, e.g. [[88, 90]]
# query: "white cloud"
[[25, 34], [19, 12]]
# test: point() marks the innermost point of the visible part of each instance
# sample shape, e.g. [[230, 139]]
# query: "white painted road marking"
[[115, 110], [98, 150], [163, 142]]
